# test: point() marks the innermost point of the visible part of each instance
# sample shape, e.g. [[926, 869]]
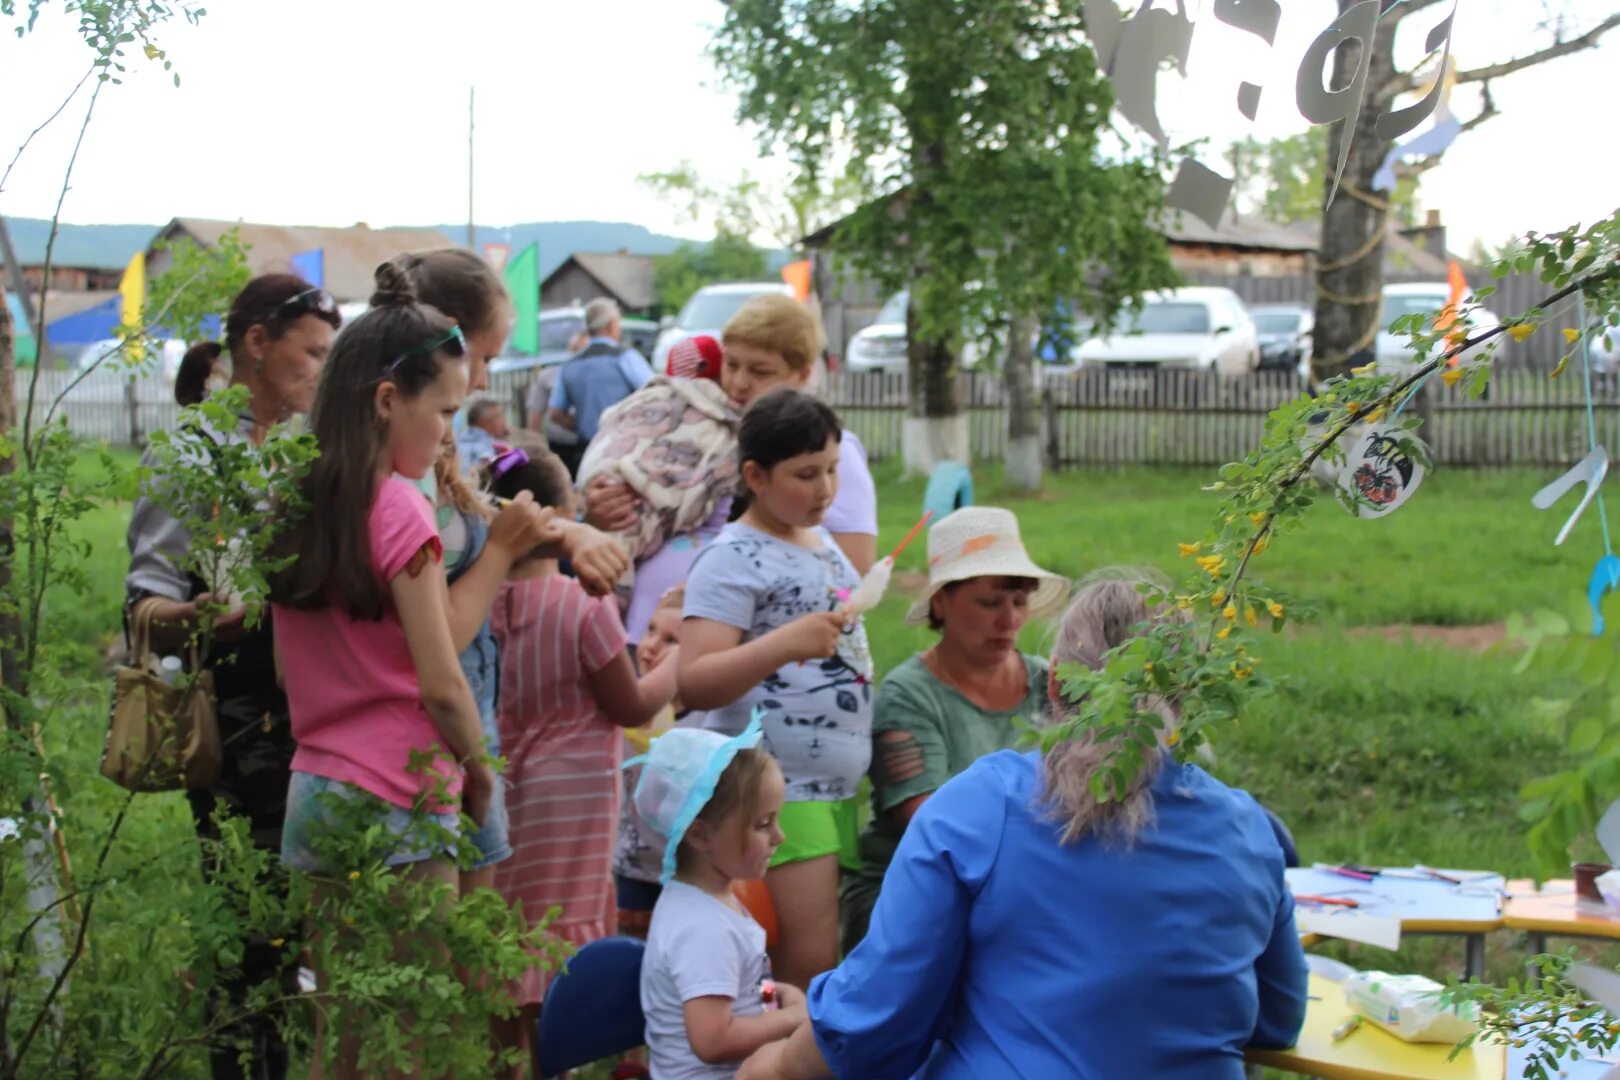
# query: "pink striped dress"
[[563, 759]]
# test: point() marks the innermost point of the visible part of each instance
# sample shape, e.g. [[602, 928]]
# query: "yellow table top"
[[1554, 910], [1370, 1053]]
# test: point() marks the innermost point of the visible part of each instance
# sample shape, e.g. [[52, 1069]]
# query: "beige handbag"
[[161, 737]]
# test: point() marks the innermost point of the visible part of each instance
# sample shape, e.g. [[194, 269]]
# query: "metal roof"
[[352, 254], [627, 278]]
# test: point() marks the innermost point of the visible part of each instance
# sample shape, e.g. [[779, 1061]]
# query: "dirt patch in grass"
[[1471, 638]]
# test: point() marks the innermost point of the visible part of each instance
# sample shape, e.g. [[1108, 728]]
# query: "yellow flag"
[[132, 288]]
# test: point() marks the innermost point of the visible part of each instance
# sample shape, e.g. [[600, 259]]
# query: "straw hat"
[[683, 765], [983, 541]]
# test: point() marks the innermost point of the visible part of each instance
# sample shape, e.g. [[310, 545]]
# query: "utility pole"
[[472, 238]]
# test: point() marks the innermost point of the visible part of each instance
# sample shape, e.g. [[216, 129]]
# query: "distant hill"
[[112, 245]]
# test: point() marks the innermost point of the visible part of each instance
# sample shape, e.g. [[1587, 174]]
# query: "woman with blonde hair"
[[1027, 929]]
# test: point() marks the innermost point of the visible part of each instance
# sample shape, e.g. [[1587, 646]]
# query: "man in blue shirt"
[[485, 433], [601, 376]]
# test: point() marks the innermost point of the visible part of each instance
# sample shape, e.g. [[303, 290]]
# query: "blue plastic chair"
[[593, 1010]]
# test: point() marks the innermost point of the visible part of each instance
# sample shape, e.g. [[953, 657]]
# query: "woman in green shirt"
[[951, 704]]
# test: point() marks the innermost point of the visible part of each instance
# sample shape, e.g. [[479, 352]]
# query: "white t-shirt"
[[697, 946]]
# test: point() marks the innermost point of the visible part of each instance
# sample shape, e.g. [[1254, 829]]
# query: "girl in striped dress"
[[567, 689]]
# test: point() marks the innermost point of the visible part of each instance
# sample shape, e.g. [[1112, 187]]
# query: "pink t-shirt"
[[352, 690]]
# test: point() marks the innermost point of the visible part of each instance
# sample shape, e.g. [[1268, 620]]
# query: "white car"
[[708, 311], [881, 346], [1426, 298], [1200, 327]]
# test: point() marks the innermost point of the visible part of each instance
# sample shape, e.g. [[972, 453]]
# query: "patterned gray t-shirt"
[[818, 714]]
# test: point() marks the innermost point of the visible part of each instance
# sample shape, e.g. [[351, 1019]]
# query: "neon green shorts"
[[814, 829]]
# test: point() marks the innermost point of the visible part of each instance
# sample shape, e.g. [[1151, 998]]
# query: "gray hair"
[[601, 313], [479, 409], [1107, 611]]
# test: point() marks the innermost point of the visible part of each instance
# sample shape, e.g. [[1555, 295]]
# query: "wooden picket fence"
[[1112, 418], [1090, 417]]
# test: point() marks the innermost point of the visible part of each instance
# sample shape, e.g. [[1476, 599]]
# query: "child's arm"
[[518, 529], [599, 560], [718, 1037], [716, 670], [422, 602], [629, 701]]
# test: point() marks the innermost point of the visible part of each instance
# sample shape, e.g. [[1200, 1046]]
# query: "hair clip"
[[505, 462]]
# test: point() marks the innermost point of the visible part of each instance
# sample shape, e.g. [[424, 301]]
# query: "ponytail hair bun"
[[191, 381], [394, 288]]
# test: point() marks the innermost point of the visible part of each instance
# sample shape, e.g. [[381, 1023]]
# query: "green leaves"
[[976, 133]]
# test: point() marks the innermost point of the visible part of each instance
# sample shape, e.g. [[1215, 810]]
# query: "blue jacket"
[[996, 951]]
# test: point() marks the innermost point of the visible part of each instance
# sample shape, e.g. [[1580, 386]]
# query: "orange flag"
[[1448, 314], [797, 276]]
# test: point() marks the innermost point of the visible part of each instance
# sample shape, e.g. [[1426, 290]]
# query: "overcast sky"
[[337, 111]]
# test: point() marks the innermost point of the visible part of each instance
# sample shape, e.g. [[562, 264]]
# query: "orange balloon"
[[756, 897]]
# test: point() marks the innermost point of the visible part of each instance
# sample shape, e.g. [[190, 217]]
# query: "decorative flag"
[[311, 266], [797, 275], [522, 278], [132, 293], [1459, 289], [496, 255]]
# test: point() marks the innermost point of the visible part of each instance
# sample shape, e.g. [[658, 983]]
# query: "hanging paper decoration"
[[1381, 471], [1132, 51]]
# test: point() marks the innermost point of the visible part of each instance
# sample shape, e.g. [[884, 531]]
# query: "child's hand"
[[790, 997], [477, 788], [814, 636], [598, 559], [521, 526]]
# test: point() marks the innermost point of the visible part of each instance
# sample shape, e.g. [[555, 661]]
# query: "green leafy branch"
[[1201, 666]]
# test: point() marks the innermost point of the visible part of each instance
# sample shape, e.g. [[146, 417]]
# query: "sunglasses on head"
[[312, 301], [450, 342]]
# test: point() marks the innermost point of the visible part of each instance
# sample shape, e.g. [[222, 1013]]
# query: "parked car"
[[1426, 298], [558, 327], [1285, 332], [708, 311], [882, 345], [1200, 327]]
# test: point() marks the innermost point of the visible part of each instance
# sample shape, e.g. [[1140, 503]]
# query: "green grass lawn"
[[1373, 750]]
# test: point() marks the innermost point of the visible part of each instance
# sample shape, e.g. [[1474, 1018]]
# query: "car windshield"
[[1277, 322], [1169, 318], [895, 310], [712, 310], [1398, 307], [555, 333]]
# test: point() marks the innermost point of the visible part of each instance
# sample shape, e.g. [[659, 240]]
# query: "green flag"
[[523, 282]]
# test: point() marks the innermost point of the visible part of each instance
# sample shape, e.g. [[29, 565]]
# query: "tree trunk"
[[9, 629], [1023, 406], [935, 429], [1350, 266]]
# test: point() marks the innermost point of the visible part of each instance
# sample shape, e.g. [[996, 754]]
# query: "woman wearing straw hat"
[[951, 704], [1029, 929]]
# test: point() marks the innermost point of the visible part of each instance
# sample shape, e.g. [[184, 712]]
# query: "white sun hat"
[[682, 767], [983, 541]]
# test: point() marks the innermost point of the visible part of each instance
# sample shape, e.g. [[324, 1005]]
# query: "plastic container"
[[169, 669]]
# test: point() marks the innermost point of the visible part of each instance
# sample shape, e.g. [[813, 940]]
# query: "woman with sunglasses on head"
[[482, 546], [278, 333]]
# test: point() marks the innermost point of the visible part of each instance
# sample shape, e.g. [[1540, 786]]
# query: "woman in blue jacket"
[[1026, 930]]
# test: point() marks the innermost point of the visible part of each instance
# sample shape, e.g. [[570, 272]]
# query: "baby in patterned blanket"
[[673, 443]]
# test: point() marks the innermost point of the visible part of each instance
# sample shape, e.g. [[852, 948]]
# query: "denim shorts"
[[306, 815], [490, 843]]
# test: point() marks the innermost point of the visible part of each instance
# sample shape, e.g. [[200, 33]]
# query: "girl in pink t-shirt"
[[567, 689], [380, 708]]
